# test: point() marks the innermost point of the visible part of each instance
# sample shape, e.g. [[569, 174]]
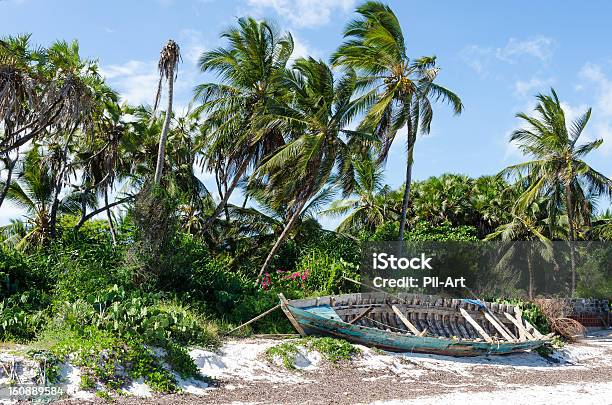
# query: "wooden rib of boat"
[[416, 323]]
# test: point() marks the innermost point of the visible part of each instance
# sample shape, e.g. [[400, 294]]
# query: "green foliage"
[[155, 219], [108, 359], [20, 318], [532, 314], [136, 313], [323, 274], [286, 352], [178, 358], [425, 231], [333, 350]]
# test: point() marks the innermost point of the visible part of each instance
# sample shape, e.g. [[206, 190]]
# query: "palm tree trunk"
[[109, 217], [406, 198], [281, 238], [530, 271], [221, 206], [95, 212], [161, 152], [572, 233], [55, 206], [9, 177]]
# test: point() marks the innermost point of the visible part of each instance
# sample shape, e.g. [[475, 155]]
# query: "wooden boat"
[[416, 323]]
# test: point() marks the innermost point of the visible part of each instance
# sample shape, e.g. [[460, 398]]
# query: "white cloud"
[[477, 57], [303, 49], [192, 45], [304, 13], [601, 121], [540, 47], [135, 80], [480, 57], [524, 88], [594, 74]]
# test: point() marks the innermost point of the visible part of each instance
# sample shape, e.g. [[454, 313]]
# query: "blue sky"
[[495, 55]]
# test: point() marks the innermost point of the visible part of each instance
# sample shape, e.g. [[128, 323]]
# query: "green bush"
[[324, 274], [136, 313], [108, 359]]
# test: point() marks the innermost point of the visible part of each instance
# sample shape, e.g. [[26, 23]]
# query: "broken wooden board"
[[502, 331], [524, 335], [475, 325], [405, 321], [364, 313]]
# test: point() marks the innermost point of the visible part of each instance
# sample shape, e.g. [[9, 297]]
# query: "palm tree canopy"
[[557, 157], [398, 90]]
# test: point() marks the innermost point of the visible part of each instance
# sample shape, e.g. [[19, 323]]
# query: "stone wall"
[[591, 312]]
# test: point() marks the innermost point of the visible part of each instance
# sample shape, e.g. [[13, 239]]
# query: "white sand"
[[583, 394]]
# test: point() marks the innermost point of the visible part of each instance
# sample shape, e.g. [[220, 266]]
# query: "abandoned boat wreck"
[[416, 323]]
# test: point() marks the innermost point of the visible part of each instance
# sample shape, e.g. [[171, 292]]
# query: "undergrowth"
[[332, 350]]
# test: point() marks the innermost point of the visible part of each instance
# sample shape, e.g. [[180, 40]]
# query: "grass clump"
[[178, 358], [332, 350], [286, 352]]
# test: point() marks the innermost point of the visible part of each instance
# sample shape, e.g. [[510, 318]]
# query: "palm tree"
[[320, 143], [251, 71], [169, 59], [558, 170], [529, 224], [399, 88], [369, 205], [33, 191], [442, 199]]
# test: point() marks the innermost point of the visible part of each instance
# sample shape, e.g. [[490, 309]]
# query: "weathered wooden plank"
[[475, 325], [497, 326], [531, 329], [294, 322], [363, 314], [405, 320], [523, 334]]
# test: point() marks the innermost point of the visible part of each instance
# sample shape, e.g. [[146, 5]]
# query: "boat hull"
[[313, 324]]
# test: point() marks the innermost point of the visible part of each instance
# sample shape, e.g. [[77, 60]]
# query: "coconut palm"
[[529, 224], [442, 199], [33, 191], [169, 59], [250, 69], [400, 89], [558, 170], [316, 123], [369, 205]]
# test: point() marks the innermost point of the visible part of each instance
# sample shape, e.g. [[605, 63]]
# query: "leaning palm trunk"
[[161, 152], [223, 204], [281, 238], [411, 140], [9, 178], [406, 198]]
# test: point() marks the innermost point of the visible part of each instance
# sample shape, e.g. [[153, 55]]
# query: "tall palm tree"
[[251, 70], [558, 169], [369, 205], [316, 122], [400, 89], [169, 59]]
